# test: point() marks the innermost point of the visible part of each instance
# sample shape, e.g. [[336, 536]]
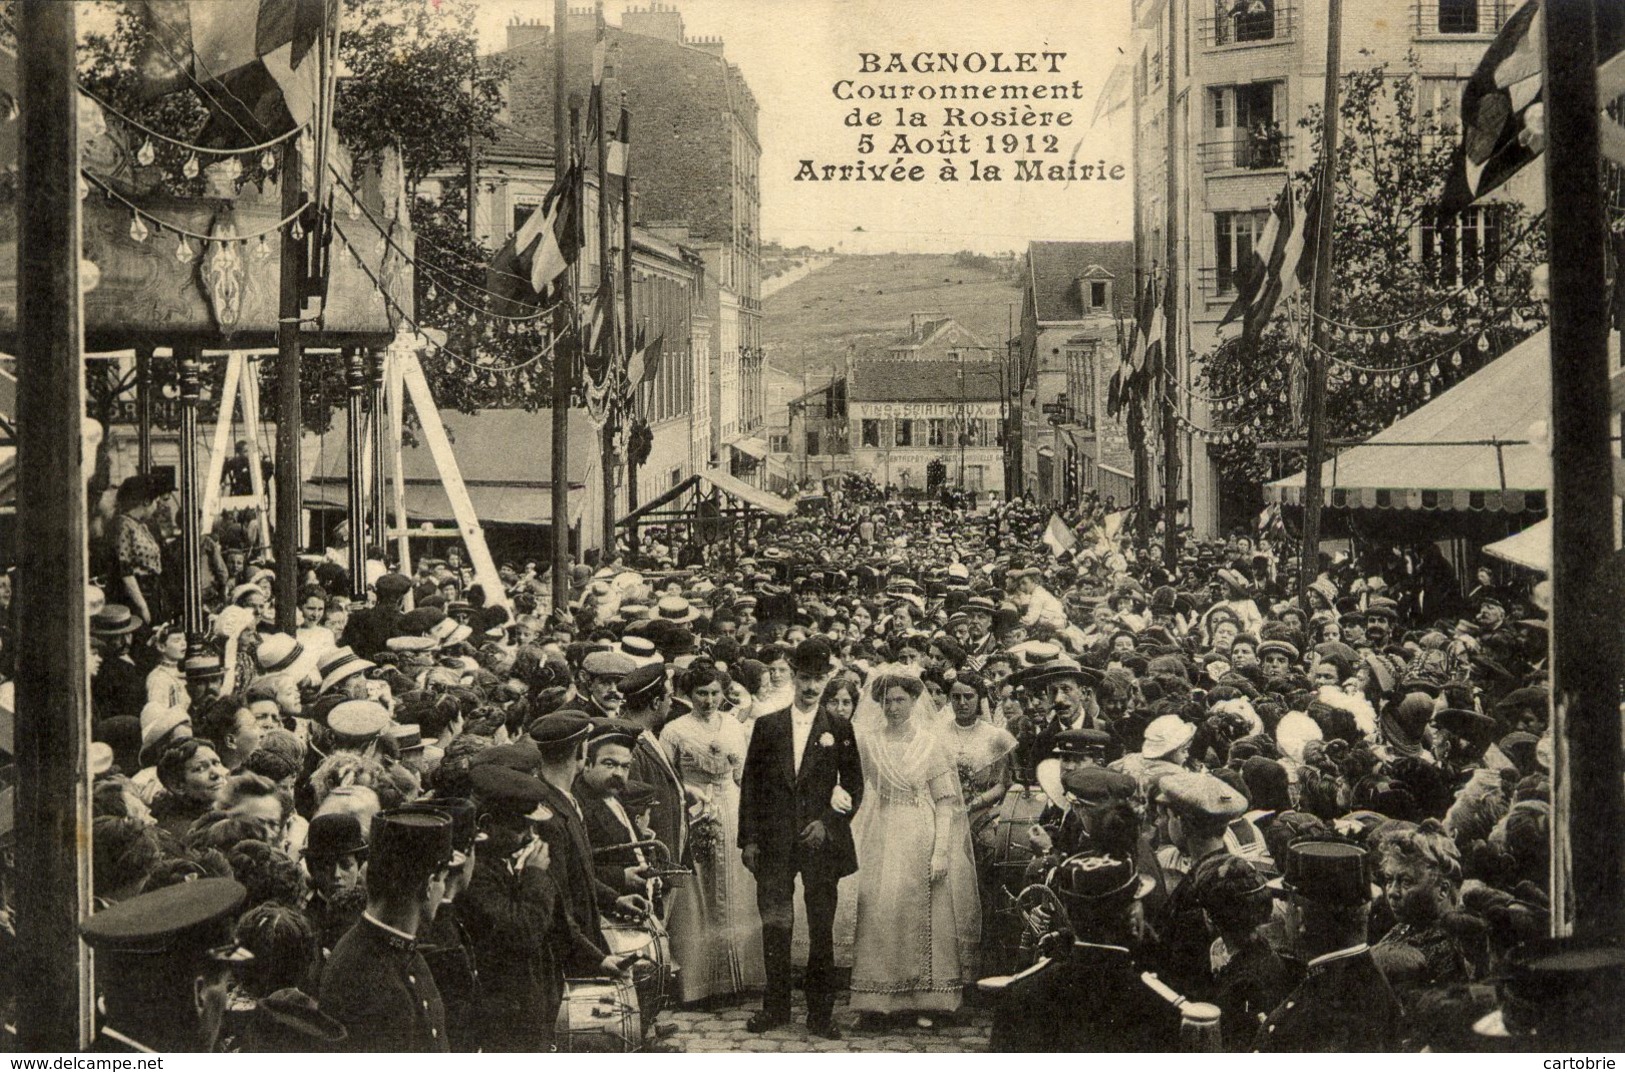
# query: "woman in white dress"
[[716, 933], [918, 913]]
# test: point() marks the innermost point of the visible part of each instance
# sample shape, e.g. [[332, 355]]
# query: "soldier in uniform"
[[1343, 1003], [1198, 807], [1249, 978], [445, 943], [150, 952], [1085, 992], [377, 983]]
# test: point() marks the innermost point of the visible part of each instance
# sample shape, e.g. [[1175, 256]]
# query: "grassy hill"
[[866, 301]]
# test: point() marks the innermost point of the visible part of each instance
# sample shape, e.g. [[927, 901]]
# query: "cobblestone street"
[[723, 1031]]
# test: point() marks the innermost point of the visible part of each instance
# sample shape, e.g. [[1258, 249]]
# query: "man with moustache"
[[802, 782]]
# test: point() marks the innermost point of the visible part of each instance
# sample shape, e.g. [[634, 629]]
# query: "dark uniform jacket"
[[571, 869], [1250, 985], [1343, 1005], [605, 830], [380, 988], [668, 817], [445, 946], [1089, 998], [370, 628], [777, 801], [525, 943]]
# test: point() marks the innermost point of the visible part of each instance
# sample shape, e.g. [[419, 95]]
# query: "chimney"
[[712, 45], [526, 31], [917, 321], [581, 20], [657, 20]]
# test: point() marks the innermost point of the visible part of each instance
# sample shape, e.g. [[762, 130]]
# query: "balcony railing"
[[1260, 148], [1449, 18], [1248, 22], [1216, 285]]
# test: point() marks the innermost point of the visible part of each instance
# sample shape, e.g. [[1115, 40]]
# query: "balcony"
[[1459, 18], [1217, 286], [1263, 147], [1250, 22]]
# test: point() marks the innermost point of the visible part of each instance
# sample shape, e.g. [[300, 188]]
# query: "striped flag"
[[548, 243], [1497, 104], [1282, 260], [255, 63], [645, 362], [1058, 537], [615, 158]]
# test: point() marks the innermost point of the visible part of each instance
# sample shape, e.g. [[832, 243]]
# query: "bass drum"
[[1011, 851], [598, 1016], [656, 973]]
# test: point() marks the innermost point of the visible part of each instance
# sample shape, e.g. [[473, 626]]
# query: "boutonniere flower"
[[827, 740]]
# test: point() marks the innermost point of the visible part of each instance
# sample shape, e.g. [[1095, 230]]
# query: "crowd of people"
[[995, 774]]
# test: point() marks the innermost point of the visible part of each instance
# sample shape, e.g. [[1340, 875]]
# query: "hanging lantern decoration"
[[1484, 343], [1385, 338], [1364, 379], [1470, 297], [146, 154], [1435, 371], [190, 168], [263, 249], [297, 231], [1414, 377], [267, 160], [1455, 359], [1518, 321], [138, 228], [183, 252]]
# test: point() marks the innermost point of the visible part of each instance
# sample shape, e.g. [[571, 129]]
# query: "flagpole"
[[1170, 359], [1309, 565], [560, 459], [606, 285], [626, 295]]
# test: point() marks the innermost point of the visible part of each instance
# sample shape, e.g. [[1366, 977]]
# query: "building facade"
[[1243, 73], [1073, 296]]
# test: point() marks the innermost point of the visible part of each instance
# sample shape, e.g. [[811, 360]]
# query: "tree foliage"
[[1390, 264]]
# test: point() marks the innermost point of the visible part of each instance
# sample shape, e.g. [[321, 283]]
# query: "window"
[[871, 432], [1237, 21], [812, 443], [1442, 98], [1235, 235], [1246, 130], [936, 432], [1097, 295], [905, 433], [1080, 387], [778, 444], [676, 477], [1458, 246], [521, 213], [1458, 16]]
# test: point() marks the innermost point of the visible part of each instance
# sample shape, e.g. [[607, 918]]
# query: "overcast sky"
[[793, 51]]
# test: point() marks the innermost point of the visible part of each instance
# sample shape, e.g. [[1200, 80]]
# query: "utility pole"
[[355, 383], [289, 401], [1170, 337], [562, 358], [606, 339], [54, 1010], [1586, 657], [1309, 566], [628, 319]]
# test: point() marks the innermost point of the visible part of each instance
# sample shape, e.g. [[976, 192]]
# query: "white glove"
[[840, 801]]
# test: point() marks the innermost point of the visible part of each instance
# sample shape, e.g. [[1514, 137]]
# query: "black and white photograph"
[[865, 527]]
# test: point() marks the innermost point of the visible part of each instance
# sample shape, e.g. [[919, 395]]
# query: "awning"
[[1531, 548], [501, 505], [1468, 449], [738, 489], [751, 445]]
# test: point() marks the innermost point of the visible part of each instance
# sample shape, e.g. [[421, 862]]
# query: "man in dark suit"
[[599, 788], [790, 823], [647, 702], [371, 627], [561, 742], [377, 983]]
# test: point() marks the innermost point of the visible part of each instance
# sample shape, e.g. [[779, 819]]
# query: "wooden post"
[[220, 447], [606, 339], [395, 360], [561, 354], [54, 1005], [191, 367], [630, 325], [143, 407], [355, 383], [289, 402], [378, 520], [1309, 566], [1586, 644]]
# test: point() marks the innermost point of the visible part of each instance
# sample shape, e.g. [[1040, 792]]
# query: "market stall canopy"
[[1531, 548], [1468, 449], [751, 445], [504, 456], [735, 488]]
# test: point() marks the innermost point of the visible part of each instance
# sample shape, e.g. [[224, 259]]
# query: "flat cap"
[[1097, 785], [1085, 742], [1196, 793], [608, 664], [560, 728], [393, 584], [646, 683]]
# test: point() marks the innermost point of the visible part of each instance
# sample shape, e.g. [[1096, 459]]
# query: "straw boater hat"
[[340, 665]]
